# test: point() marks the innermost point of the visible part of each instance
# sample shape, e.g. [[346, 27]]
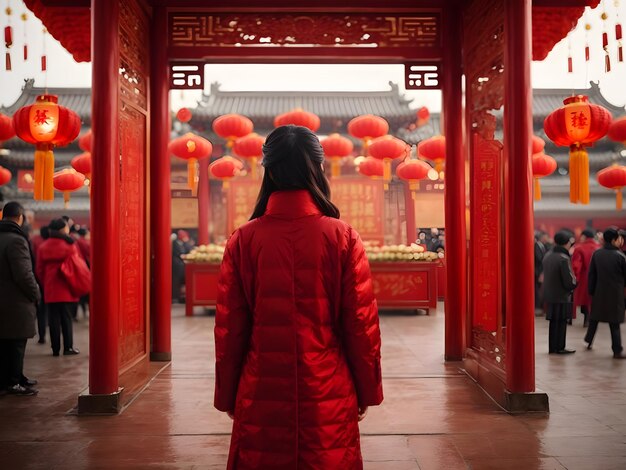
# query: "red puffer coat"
[[50, 256], [297, 339]]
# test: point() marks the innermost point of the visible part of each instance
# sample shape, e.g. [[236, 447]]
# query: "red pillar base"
[[160, 356], [106, 404]]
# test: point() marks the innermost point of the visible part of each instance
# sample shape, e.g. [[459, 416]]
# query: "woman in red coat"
[[296, 328], [59, 300], [581, 259]]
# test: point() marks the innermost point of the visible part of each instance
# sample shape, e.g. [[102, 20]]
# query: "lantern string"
[[570, 63], [605, 39], [618, 32], [24, 18], [44, 61]]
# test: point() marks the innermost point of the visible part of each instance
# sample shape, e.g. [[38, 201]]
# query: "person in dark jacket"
[[607, 280], [558, 283], [541, 238], [20, 294], [59, 299]]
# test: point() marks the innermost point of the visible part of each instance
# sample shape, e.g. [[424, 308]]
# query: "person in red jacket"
[[581, 257], [60, 301], [296, 327]]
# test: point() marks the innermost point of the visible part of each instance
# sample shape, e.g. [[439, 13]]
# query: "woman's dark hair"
[[293, 158]]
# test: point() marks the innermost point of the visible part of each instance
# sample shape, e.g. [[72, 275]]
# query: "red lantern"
[[6, 128], [617, 130], [250, 146], [543, 165], [538, 144], [67, 181], [298, 117], [614, 177], [5, 176], [336, 147], [84, 141], [231, 127], [433, 149], [184, 115], [387, 148], [371, 167], [578, 124], [45, 124], [82, 164], [191, 147], [225, 169], [413, 171], [367, 127]]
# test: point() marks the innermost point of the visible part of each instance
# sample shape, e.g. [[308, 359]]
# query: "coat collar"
[[291, 204], [8, 226], [560, 249]]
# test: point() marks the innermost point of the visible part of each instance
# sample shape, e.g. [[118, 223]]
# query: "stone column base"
[[109, 404], [160, 356], [526, 402]]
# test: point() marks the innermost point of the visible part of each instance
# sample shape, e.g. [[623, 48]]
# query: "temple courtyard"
[[433, 417]]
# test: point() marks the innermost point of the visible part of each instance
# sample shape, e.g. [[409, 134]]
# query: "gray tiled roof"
[[547, 100], [24, 158]]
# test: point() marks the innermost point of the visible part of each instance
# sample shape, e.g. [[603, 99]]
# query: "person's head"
[[68, 220], [587, 234], [422, 236], [82, 232], [59, 226], [44, 232], [612, 237], [434, 232], [293, 159], [182, 235], [563, 238], [13, 211]]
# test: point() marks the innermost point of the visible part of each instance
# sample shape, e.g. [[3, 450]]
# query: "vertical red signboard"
[[242, 196], [360, 202], [485, 232]]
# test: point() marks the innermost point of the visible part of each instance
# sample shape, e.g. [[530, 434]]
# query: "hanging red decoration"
[[6, 128], [82, 164], [371, 167], [232, 127], [250, 147], [24, 18], [44, 58], [543, 165], [413, 171], [387, 148], [578, 124], [84, 141], [225, 169], [335, 148], [184, 115], [605, 42], [66, 181], [8, 39], [5, 176], [433, 149], [298, 117], [538, 144], [614, 177], [366, 128], [45, 124], [617, 130], [191, 147]]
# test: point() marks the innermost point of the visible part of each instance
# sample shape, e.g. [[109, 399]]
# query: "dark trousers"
[[11, 361], [42, 320], [60, 318], [557, 334], [616, 336]]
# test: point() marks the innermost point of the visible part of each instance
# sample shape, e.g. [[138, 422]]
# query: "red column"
[[203, 202], [105, 258], [160, 209], [409, 209], [456, 252], [520, 320]]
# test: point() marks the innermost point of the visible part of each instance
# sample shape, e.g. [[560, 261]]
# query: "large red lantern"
[[336, 147], [225, 169], [67, 181], [371, 167], [298, 117], [617, 130], [45, 124], [543, 165], [250, 147], [192, 148], [576, 125], [367, 127], [614, 177], [6, 128], [413, 171], [232, 127], [5, 176], [387, 148], [433, 149], [82, 164], [537, 144], [84, 141]]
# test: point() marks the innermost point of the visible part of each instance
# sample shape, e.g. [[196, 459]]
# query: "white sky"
[[551, 73]]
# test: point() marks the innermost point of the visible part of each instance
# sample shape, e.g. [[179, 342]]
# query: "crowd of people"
[[43, 280], [589, 274]]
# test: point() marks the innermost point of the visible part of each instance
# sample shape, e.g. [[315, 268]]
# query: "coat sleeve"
[[593, 276], [22, 269], [578, 263], [359, 324], [567, 275], [233, 325]]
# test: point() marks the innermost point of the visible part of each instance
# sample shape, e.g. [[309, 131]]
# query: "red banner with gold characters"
[[360, 202], [242, 196], [485, 232]]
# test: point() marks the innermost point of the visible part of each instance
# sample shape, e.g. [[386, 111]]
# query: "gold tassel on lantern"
[[579, 175], [44, 171], [618, 199], [48, 173], [335, 168], [192, 175], [439, 165], [537, 189], [66, 198], [386, 172]]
